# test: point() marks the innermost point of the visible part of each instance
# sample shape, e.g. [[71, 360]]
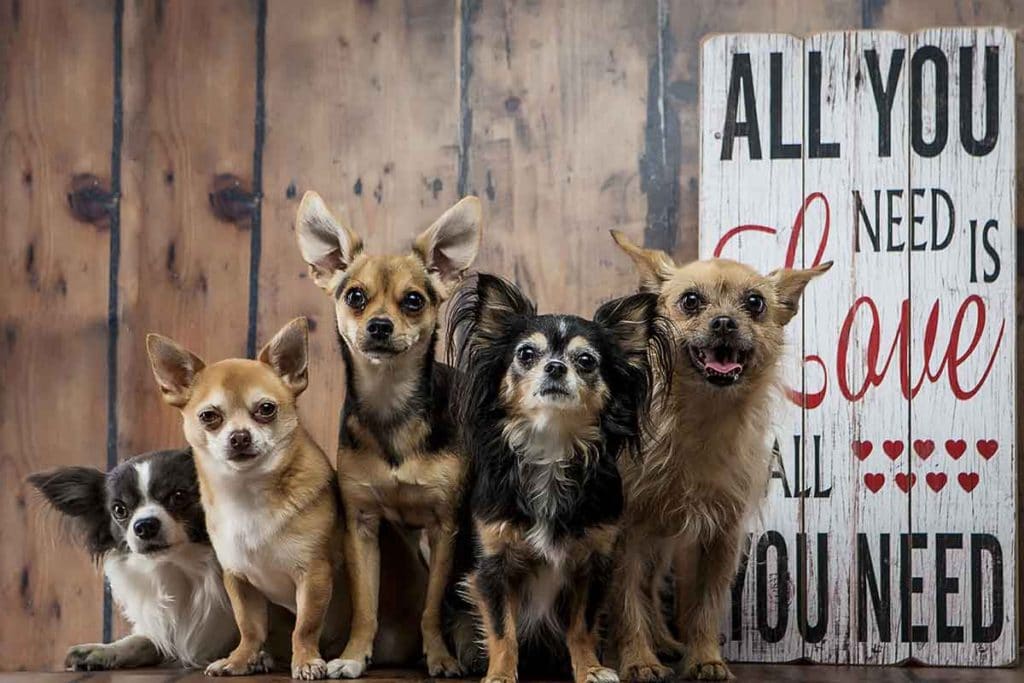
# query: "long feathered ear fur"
[[483, 318], [79, 493], [642, 341]]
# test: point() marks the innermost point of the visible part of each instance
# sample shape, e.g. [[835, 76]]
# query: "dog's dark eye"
[[586, 362], [413, 302], [265, 411], [178, 498], [356, 299], [690, 302], [526, 355], [210, 418], [119, 510], [754, 303]]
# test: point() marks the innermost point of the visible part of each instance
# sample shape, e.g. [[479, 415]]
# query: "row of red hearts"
[[936, 481], [925, 447]]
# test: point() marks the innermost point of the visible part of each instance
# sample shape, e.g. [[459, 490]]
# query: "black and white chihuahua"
[[547, 404], [143, 521]]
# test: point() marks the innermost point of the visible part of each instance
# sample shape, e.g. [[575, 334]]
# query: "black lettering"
[[818, 491], [944, 586], [938, 245], [741, 77], [815, 633], [990, 632], [876, 586], [929, 53], [894, 219], [780, 149], [772, 633], [990, 249], [974, 250], [816, 149], [916, 219], [910, 584], [778, 470], [885, 95], [864, 219], [974, 147]]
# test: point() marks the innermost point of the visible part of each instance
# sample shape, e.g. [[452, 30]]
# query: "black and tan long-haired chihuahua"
[[548, 404]]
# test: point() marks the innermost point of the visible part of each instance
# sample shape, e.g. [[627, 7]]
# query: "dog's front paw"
[[346, 668], [310, 670], [91, 657], [499, 678], [599, 674], [442, 664], [241, 665], [645, 672], [708, 671]]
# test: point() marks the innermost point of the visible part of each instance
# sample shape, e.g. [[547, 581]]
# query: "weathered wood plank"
[[558, 99], [742, 185], [963, 507], [56, 71], [189, 88], [856, 503], [362, 103]]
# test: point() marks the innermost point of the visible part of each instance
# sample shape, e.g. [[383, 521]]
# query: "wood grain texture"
[[974, 493], [189, 84], [748, 187], [558, 100], [56, 67], [362, 103], [860, 524]]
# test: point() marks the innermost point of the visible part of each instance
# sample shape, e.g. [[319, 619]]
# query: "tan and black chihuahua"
[[271, 502], [706, 464], [399, 456]]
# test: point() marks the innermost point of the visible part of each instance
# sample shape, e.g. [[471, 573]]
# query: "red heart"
[[892, 448], [905, 481], [987, 447], [955, 448], [924, 448], [936, 480], [968, 480], [862, 449], [874, 481]]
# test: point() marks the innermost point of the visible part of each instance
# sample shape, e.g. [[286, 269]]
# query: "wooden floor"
[[754, 673]]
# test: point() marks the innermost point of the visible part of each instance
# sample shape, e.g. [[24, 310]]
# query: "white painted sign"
[[889, 532]]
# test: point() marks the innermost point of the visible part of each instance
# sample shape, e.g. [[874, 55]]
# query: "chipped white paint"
[[906, 475]]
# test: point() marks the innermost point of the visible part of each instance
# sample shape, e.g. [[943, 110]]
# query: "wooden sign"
[[889, 530]]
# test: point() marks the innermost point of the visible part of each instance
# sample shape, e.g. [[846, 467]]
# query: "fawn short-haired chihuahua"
[[267, 490], [399, 457], [549, 405], [706, 466]]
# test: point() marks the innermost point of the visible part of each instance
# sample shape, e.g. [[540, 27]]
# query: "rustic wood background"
[[568, 118]]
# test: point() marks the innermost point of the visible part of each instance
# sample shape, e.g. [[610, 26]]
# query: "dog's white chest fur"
[[177, 600], [246, 538]]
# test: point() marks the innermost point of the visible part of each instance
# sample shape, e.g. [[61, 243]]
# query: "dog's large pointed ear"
[[498, 303], [174, 367], [328, 245], [78, 493], [653, 265], [288, 354], [789, 286], [630, 320], [449, 246]]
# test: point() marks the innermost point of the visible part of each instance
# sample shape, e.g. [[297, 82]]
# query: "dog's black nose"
[[380, 329], [146, 528], [723, 324], [555, 369], [240, 439]]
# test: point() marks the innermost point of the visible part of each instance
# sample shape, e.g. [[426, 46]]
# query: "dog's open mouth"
[[554, 392], [721, 365], [244, 456]]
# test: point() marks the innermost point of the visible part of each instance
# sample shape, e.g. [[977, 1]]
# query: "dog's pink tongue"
[[723, 367]]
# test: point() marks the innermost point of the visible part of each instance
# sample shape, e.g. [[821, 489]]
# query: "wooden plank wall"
[[567, 117]]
